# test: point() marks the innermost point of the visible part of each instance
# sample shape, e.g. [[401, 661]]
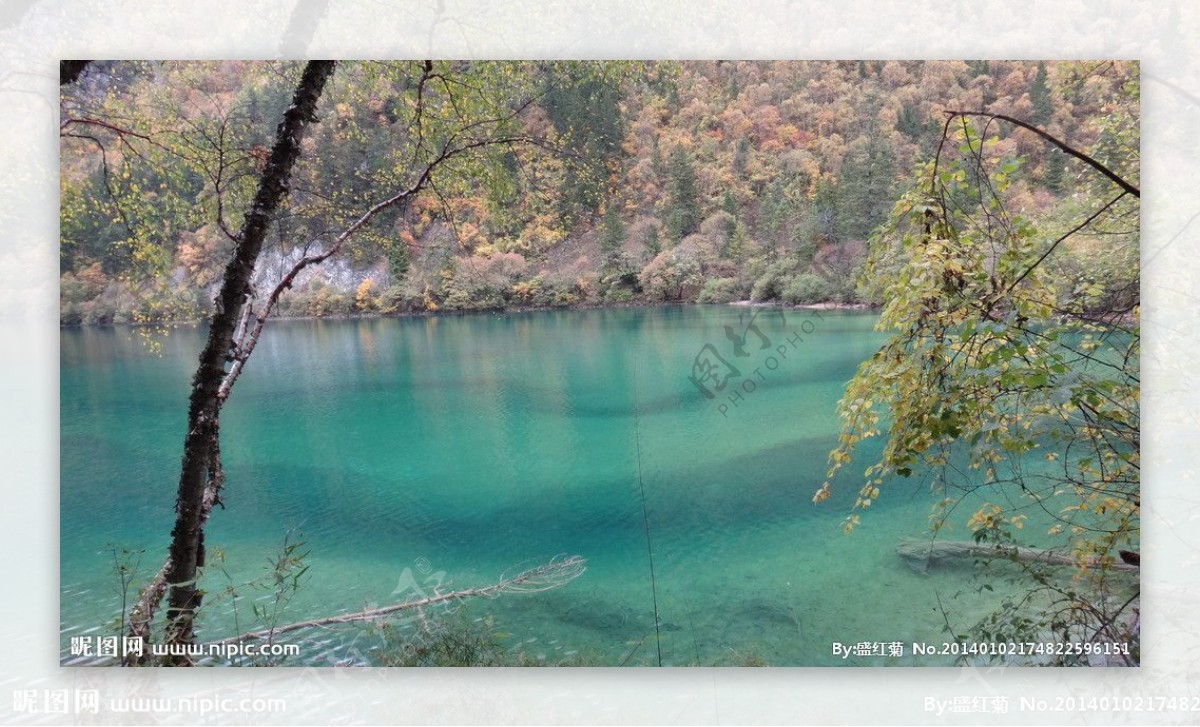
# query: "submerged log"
[[920, 554]]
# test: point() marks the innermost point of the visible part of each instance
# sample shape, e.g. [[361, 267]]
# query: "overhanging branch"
[[1116, 178]]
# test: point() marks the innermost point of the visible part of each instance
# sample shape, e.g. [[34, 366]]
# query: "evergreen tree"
[[866, 187], [741, 154], [653, 246], [612, 234], [825, 210], [729, 206], [739, 243], [775, 212], [1039, 96], [398, 261], [907, 122], [1055, 176], [586, 112], [684, 216], [656, 160]]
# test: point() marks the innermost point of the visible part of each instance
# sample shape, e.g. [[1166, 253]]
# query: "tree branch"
[[200, 472], [104, 125], [245, 345], [1117, 179], [556, 572]]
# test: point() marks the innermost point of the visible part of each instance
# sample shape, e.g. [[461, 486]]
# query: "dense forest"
[[596, 183]]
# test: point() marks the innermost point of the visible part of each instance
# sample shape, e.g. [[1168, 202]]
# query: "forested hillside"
[[596, 183]]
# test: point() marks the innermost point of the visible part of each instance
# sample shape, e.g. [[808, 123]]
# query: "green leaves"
[[989, 358]]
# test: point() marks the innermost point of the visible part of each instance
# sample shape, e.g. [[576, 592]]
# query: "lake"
[[420, 454]]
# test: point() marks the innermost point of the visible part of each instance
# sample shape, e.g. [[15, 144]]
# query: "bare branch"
[[1117, 179], [245, 345], [1091, 218], [558, 571], [119, 130], [201, 476]]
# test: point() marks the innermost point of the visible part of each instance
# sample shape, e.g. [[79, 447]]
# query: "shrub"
[[767, 287], [618, 295], [527, 292], [457, 300], [457, 640], [326, 301], [483, 283], [99, 312], [670, 274], [403, 298], [807, 288], [564, 298], [770, 285], [719, 290]]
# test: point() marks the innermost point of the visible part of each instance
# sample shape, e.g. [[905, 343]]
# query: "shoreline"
[[825, 305], [828, 305]]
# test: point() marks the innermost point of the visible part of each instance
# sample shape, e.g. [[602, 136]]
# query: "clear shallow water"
[[459, 447]]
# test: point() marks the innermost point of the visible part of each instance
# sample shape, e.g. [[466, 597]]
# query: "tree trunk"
[[200, 454], [68, 71], [920, 553]]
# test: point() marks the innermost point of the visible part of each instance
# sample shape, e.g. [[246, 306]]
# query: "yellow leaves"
[[1114, 505], [470, 236], [987, 517], [869, 492], [524, 290], [849, 524], [859, 405], [821, 495], [363, 300]]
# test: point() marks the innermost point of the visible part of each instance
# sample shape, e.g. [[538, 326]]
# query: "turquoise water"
[[461, 447]]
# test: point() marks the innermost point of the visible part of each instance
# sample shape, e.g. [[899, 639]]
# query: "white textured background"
[[34, 34]]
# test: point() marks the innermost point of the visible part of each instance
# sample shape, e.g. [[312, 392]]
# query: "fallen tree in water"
[[920, 554], [559, 571]]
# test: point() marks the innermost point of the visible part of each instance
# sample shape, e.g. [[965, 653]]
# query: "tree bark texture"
[[201, 463]]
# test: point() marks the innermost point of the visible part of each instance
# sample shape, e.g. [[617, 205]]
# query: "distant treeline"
[[705, 181]]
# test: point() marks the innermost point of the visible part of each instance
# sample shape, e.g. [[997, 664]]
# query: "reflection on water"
[[472, 444]]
